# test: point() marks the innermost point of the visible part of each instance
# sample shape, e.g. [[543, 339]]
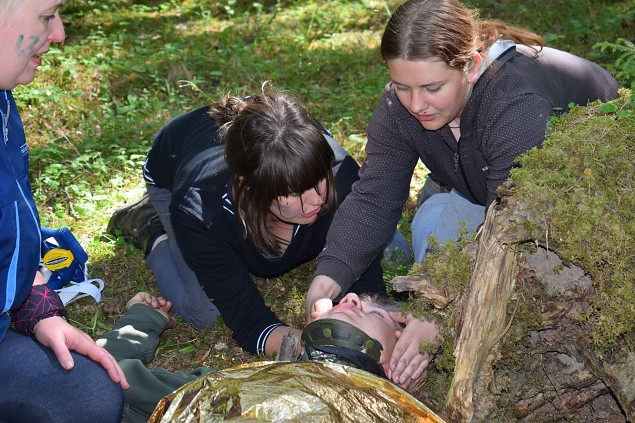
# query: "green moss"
[[449, 268], [581, 182]]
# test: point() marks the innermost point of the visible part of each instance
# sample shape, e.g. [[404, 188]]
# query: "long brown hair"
[[274, 148], [446, 30]]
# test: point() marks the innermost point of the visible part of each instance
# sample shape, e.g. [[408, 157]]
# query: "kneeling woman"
[[247, 186]]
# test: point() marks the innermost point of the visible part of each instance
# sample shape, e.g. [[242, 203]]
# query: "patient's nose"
[[352, 298]]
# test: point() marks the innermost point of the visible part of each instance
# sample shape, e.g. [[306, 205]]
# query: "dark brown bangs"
[[295, 164]]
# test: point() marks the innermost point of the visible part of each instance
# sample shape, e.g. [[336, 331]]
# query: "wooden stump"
[[483, 319]]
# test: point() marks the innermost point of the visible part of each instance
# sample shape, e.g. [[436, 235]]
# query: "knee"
[[200, 317], [101, 399]]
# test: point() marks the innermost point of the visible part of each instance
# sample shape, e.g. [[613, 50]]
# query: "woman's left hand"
[[408, 365], [57, 334]]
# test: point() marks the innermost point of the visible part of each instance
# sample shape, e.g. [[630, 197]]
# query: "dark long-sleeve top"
[[187, 157], [20, 239], [506, 115]]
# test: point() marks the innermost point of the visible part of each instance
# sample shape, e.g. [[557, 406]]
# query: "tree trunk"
[[483, 319], [560, 375]]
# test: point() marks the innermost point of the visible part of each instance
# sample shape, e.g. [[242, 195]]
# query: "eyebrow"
[[418, 86]]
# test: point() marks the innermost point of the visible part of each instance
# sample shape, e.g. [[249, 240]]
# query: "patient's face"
[[367, 316]]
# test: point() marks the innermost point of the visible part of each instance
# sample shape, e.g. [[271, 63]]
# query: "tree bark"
[[483, 320], [558, 373]]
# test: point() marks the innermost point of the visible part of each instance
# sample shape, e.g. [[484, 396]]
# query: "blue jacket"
[[20, 239]]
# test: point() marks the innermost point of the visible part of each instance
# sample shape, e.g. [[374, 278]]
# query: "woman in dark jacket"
[[466, 97], [247, 186]]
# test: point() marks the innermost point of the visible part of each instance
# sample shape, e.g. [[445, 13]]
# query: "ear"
[[474, 67]]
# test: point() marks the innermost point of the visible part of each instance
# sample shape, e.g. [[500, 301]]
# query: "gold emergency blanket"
[[303, 391]]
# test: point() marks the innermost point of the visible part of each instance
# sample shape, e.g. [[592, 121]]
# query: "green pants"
[[133, 342]]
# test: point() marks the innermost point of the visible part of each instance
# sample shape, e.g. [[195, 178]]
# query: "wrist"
[[37, 324], [275, 339], [323, 287], [42, 303]]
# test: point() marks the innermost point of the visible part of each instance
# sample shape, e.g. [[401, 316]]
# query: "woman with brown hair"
[[246, 186], [467, 97]]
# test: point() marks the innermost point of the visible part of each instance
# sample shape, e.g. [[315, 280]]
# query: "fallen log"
[[483, 319]]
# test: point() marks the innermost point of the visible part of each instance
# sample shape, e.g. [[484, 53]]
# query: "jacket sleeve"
[[367, 218], [224, 276]]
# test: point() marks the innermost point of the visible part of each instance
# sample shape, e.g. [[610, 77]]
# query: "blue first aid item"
[[63, 256]]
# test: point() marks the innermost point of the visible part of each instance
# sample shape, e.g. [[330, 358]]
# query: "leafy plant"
[[624, 66]]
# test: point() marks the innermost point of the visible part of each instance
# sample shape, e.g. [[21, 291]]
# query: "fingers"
[[78, 341], [115, 372], [103, 357], [323, 304], [51, 332], [399, 317], [414, 384], [416, 371], [407, 364], [158, 303], [409, 373], [150, 300], [322, 287], [62, 353], [62, 338]]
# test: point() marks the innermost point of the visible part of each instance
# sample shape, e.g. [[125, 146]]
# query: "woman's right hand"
[[322, 288]]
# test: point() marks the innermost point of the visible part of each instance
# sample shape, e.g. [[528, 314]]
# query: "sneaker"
[[137, 223]]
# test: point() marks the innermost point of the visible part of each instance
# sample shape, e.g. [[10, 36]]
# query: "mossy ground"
[[582, 183]]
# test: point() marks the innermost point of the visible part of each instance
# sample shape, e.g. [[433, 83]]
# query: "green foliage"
[[571, 25], [127, 67], [582, 182], [624, 66], [449, 266]]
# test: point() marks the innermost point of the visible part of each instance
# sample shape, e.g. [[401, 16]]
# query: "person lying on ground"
[[135, 337]]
